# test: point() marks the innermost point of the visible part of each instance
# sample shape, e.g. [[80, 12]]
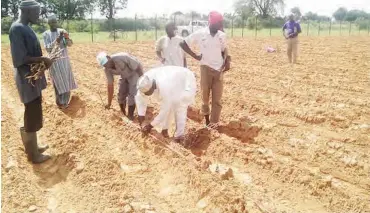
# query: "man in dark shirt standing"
[[26, 50], [291, 30]]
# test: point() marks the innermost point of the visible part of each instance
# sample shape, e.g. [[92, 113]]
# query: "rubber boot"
[[207, 120], [41, 148], [131, 110], [165, 133], [30, 145], [123, 108]]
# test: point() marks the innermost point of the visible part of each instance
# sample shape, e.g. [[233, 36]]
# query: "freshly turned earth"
[[293, 138]]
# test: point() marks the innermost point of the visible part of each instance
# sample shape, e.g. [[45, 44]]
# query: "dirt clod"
[[11, 164], [32, 208], [206, 164], [202, 204], [80, 167], [127, 209]]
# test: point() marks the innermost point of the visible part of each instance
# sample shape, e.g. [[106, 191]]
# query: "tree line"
[[67, 9], [268, 12]]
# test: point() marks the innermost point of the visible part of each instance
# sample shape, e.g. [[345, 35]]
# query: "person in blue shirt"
[[291, 30], [26, 50]]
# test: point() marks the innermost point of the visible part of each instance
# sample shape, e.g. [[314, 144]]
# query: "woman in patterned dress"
[[61, 70]]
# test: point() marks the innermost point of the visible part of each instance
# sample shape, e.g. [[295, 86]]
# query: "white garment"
[[211, 47], [176, 89], [171, 50]]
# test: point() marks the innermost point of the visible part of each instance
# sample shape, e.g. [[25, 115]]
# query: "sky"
[[151, 7]]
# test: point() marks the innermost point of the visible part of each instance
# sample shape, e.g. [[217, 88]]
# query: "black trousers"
[[33, 120]]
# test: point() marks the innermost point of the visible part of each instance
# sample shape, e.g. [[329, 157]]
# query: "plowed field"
[[293, 138]]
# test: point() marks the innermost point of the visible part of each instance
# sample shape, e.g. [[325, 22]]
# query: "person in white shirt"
[[168, 48], [175, 87], [214, 62]]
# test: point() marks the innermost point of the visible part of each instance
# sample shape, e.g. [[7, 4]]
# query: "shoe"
[[179, 139], [40, 148], [165, 133], [30, 144], [207, 120], [62, 107], [131, 110], [123, 108]]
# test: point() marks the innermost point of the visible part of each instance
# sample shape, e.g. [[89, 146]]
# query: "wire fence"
[[139, 28], [153, 28]]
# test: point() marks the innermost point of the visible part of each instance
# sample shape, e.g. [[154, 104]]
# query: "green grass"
[[313, 30]]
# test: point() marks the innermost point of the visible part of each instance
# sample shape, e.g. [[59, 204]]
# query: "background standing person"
[[130, 69], [61, 70], [175, 87], [168, 48], [214, 62], [291, 30], [26, 50]]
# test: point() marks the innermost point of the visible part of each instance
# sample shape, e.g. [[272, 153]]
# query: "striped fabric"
[[61, 70], [62, 100]]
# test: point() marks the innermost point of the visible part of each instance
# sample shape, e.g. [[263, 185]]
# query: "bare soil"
[[293, 138]]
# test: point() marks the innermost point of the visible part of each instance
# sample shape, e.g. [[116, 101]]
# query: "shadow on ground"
[[76, 109]]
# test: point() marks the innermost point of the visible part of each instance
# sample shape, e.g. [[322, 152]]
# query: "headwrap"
[[29, 4], [215, 17], [144, 84], [102, 58]]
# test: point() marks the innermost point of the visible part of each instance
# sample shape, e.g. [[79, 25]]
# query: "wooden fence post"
[[135, 24], [308, 27], [255, 32]]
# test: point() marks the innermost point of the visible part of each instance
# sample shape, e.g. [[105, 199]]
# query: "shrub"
[[5, 24], [363, 23], [40, 28]]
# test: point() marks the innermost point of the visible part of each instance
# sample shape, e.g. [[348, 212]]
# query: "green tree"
[[4, 8], [176, 14], [67, 9], [109, 7], [340, 14], [353, 15], [10, 8], [311, 16], [6, 22], [264, 8], [244, 9], [323, 18], [195, 15]]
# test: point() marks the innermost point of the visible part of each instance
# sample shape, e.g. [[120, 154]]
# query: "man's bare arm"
[[110, 89], [159, 55], [187, 49]]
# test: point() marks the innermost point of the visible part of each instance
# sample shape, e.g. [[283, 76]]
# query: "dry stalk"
[[38, 68]]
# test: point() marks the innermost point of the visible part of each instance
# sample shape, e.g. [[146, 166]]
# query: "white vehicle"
[[192, 27]]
